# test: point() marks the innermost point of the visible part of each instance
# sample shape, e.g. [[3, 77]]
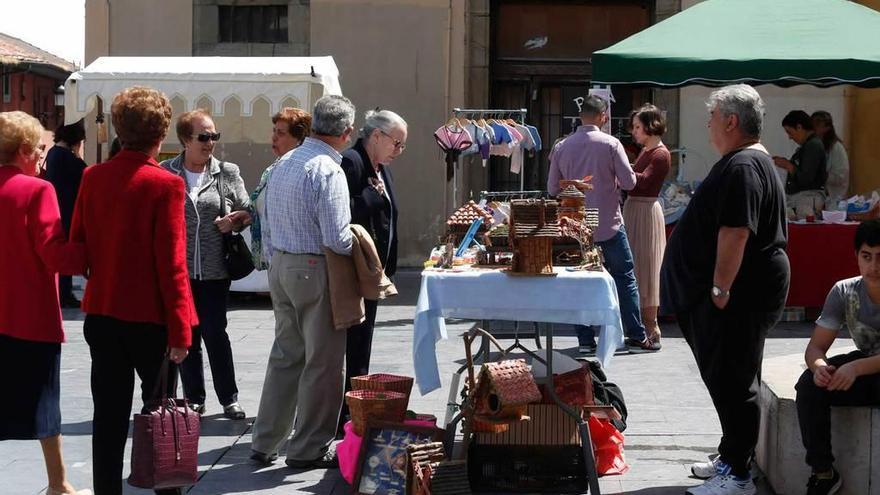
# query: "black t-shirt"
[[741, 190], [64, 170]]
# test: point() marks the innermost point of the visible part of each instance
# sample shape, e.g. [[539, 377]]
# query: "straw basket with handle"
[[375, 405], [383, 382]]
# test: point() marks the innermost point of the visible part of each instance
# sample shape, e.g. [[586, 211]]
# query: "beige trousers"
[[304, 375]]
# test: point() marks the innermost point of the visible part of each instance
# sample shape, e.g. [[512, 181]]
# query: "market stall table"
[[820, 254], [574, 297]]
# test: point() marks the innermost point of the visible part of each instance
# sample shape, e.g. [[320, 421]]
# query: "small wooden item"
[[504, 390], [534, 223], [418, 471], [459, 222]]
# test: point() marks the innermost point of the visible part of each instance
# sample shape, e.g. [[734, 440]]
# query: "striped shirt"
[[307, 202]]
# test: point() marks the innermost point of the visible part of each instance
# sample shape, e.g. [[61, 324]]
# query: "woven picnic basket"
[[374, 405], [383, 381]]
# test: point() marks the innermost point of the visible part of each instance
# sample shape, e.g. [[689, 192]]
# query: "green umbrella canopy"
[[782, 42]]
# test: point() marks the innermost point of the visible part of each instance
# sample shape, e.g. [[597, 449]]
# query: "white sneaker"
[[706, 470], [724, 484]]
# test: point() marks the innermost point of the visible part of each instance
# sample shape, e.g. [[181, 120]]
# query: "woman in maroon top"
[[642, 213], [34, 248]]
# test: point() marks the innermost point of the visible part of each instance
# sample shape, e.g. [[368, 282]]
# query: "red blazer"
[[129, 215], [33, 249]]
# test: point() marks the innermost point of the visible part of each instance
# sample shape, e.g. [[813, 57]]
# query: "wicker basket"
[[383, 381], [374, 405]]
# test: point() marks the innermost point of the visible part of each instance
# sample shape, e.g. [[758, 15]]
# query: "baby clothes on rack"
[[452, 139]]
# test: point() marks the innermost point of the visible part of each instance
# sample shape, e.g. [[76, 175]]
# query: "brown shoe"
[[642, 347]]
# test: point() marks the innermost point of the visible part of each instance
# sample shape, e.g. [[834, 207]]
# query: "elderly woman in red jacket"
[[33, 250], [138, 305]]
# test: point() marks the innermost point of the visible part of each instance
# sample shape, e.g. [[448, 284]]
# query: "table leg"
[[583, 427]]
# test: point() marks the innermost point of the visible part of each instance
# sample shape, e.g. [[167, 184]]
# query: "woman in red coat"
[[138, 305], [33, 250]]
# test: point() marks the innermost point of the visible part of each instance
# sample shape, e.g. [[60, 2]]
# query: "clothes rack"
[[518, 114]]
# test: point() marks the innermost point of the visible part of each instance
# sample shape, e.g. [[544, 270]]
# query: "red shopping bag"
[[607, 447]]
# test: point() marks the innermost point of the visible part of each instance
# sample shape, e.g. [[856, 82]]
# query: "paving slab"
[[671, 419]]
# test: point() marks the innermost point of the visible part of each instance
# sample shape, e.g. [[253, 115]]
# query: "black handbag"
[[236, 254]]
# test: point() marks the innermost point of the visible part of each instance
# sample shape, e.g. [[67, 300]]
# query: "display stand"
[[518, 114]]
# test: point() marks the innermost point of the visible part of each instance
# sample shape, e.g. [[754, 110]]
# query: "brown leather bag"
[[165, 442]]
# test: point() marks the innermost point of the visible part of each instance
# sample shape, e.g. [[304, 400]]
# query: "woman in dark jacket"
[[383, 138], [64, 169], [209, 279]]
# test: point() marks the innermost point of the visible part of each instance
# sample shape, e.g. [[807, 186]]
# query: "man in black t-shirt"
[[725, 276]]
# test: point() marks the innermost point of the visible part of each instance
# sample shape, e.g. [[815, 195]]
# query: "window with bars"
[[253, 24]]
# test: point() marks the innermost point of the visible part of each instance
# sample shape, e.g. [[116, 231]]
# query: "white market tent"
[[280, 81], [194, 79]]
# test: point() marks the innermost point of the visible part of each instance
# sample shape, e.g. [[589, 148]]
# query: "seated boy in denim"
[[851, 379]]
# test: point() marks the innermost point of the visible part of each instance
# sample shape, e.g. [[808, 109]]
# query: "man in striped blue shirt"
[[307, 209]]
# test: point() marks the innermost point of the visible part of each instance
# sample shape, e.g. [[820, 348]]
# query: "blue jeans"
[[619, 263]]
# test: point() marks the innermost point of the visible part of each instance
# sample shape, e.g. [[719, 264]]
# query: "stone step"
[[855, 434]]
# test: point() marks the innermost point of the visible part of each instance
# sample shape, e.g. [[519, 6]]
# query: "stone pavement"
[[671, 419]]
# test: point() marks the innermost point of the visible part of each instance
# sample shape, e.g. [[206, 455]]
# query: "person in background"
[[725, 276], [115, 147], [201, 173], [34, 248], [589, 151], [64, 169], [370, 187], [837, 184], [807, 168], [308, 211], [851, 379], [138, 304], [642, 213], [290, 127]]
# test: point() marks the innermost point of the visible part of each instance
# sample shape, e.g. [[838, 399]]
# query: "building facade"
[[423, 58], [30, 80]]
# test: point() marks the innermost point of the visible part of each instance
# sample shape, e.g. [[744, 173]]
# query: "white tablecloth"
[[581, 297]]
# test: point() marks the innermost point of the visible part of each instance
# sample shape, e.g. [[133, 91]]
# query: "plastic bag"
[[607, 447]]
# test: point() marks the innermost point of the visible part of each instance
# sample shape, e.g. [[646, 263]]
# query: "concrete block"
[[780, 452]]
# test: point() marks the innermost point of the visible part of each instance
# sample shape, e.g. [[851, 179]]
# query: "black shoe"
[[234, 411], [589, 349], [198, 408], [824, 486], [262, 458], [641, 347], [327, 461]]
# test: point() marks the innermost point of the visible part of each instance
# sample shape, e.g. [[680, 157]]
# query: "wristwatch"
[[719, 292]]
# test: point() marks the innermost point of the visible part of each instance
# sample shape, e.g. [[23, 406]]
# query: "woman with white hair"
[[373, 206], [33, 250]]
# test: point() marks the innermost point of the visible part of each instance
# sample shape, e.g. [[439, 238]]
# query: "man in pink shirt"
[[589, 151]]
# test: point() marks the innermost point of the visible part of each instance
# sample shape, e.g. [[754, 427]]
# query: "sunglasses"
[[208, 136]]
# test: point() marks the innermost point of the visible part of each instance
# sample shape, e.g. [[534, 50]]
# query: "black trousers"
[[210, 298], [728, 346], [358, 346], [65, 287], [814, 408], [119, 349]]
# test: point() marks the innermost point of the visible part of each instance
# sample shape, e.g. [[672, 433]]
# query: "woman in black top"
[[373, 206], [807, 169], [64, 169]]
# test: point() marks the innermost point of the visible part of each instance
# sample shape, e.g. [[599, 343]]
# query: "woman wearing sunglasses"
[[373, 206], [209, 280]]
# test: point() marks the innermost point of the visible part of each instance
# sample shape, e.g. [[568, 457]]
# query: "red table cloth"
[[820, 255]]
